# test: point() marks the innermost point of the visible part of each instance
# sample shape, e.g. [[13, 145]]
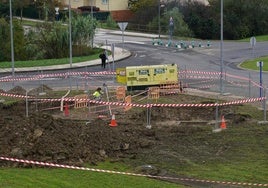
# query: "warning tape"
[[65, 75], [242, 101], [128, 173]]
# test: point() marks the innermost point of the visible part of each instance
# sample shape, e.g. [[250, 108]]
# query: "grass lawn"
[[252, 64], [50, 177]]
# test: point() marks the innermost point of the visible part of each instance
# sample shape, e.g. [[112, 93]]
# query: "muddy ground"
[[50, 136]]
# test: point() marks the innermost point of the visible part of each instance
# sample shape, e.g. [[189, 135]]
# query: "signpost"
[[122, 26], [112, 50], [252, 44]]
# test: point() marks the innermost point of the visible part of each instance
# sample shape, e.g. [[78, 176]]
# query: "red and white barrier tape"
[[129, 174], [42, 76], [242, 101]]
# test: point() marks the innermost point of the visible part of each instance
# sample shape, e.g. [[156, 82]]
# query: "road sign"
[[253, 41], [122, 25], [260, 64]]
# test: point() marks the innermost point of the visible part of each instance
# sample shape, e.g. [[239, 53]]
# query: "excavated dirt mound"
[[44, 137]]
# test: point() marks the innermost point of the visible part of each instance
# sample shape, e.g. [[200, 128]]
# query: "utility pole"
[[92, 35], [221, 46], [70, 34], [11, 37], [158, 19]]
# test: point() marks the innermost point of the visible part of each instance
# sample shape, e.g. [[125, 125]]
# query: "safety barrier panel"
[[120, 93], [169, 87], [128, 101], [80, 101], [153, 92]]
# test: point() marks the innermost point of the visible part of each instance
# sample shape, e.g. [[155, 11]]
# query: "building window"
[[104, 1]]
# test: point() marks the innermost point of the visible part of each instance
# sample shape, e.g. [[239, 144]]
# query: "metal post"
[[123, 40], [264, 105], [107, 96], [148, 126], [92, 35], [70, 33], [221, 48], [217, 115], [113, 48], [88, 109], [249, 84], [11, 38], [27, 110], [158, 19], [260, 65]]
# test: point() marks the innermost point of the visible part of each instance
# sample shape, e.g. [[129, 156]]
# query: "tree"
[[145, 10], [5, 44], [200, 20], [83, 30], [242, 18], [21, 4], [4, 38], [180, 27], [46, 8], [52, 39]]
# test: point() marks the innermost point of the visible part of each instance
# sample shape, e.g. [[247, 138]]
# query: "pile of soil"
[[45, 137]]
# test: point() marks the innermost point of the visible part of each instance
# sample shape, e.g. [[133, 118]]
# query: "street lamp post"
[[11, 37], [159, 19], [92, 35], [70, 34], [221, 49], [159, 14]]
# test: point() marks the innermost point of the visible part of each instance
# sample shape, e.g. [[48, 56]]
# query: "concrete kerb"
[[119, 54]]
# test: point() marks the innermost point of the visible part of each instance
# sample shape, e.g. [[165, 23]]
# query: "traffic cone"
[[113, 122], [223, 123], [66, 110]]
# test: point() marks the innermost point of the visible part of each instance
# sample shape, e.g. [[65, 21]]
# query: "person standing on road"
[[103, 58]]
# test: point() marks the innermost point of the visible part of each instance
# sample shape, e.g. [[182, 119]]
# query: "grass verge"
[[43, 178]]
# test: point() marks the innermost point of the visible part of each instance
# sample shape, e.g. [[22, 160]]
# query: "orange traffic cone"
[[113, 122], [66, 110], [223, 123]]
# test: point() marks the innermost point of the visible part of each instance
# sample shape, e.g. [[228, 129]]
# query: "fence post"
[[249, 84], [148, 126], [27, 110], [264, 104]]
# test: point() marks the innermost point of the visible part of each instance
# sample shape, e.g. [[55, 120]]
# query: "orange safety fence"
[[81, 101], [128, 100]]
